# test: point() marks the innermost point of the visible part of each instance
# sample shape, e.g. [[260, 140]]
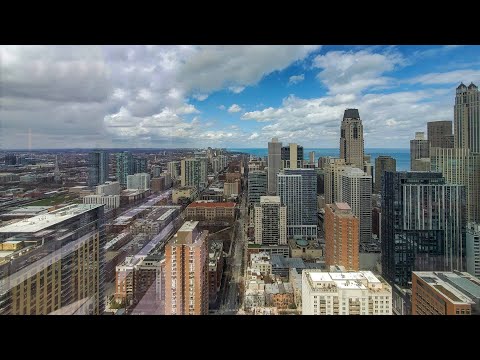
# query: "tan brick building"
[[218, 211], [186, 272]]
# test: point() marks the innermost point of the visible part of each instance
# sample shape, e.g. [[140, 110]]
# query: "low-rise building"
[[279, 295], [211, 211], [261, 263], [345, 293], [110, 201], [185, 192], [445, 293], [306, 249]]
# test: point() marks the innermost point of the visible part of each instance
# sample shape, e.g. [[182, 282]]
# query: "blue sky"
[[225, 96]]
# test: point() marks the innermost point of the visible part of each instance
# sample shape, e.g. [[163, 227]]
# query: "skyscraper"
[[423, 225], [341, 236], [191, 173], [351, 139], [357, 192], [186, 271], [97, 167], [473, 249], [467, 118], [439, 134], [124, 166], [311, 156], [419, 149], [174, 168], [460, 166], [257, 186], [292, 156], [333, 169], [156, 171], [54, 263], [139, 165], [270, 221], [140, 181], [297, 189], [274, 164], [383, 163]]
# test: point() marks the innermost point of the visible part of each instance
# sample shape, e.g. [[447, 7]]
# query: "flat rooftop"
[[269, 199], [212, 204], [342, 206], [460, 288], [188, 226], [340, 277], [40, 222]]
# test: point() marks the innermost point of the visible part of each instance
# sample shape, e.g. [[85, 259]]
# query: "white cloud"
[[222, 107], [234, 108], [354, 72], [236, 89], [200, 97], [295, 79], [450, 77], [68, 83], [316, 122], [253, 136]]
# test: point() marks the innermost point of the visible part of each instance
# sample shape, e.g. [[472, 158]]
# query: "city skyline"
[[225, 96]]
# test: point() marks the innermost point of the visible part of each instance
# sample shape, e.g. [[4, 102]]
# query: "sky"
[[224, 96]]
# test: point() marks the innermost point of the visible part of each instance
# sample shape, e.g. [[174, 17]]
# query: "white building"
[[110, 201], [473, 249], [344, 293], [261, 262], [270, 221], [109, 188], [140, 181]]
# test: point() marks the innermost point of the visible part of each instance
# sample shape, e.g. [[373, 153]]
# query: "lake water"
[[401, 155]]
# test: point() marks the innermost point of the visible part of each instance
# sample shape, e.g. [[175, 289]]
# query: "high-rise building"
[[341, 236], [333, 182], [445, 293], [422, 164], [203, 171], [54, 263], [357, 192], [97, 167], [274, 164], [297, 189], [473, 249], [383, 163], [174, 169], [423, 225], [439, 134], [323, 160], [10, 159], [139, 181], [156, 171], [419, 149], [270, 221], [292, 156], [124, 166], [191, 173], [311, 156], [186, 271], [139, 165], [257, 186], [467, 118], [345, 293], [460, 166], [351, 139]]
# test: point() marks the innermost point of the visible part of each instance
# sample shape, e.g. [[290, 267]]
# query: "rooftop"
[[212, 204], [351, 114], [40, 222], [188, 226], [269, 199], [342, 206], [459, 287]]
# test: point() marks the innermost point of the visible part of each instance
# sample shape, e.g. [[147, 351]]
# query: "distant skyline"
[[224, 96]]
